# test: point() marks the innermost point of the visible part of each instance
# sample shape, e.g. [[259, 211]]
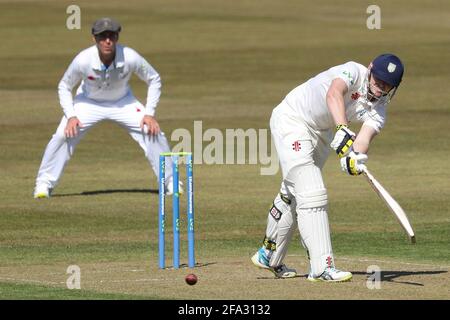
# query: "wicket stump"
[[176, 208]]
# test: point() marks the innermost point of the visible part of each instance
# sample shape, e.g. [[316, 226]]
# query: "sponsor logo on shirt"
[[123, 75], [361, 113], [296, 146], [349, 76], [356, 95]]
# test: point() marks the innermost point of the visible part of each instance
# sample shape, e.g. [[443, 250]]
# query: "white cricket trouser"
[[127, 112], [302, 152]]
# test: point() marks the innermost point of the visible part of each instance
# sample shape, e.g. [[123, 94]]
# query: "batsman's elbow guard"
[[354, 163], [343, 140]]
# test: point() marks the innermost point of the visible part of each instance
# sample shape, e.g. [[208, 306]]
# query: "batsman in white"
[[103, 71], [302, 129]]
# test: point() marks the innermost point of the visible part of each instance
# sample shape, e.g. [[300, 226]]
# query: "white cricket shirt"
[[309, 99], [107, 84]]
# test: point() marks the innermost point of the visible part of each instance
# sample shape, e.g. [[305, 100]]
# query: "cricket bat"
[[393, 205]]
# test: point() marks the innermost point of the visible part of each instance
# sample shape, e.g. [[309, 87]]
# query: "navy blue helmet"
[[388, 68]]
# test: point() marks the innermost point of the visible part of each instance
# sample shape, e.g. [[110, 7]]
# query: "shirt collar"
[[118, 62]]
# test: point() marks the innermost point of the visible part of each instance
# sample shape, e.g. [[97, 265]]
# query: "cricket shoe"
[[42, 192], [169, 188], [331, 274], [284, 272], [260, 260]]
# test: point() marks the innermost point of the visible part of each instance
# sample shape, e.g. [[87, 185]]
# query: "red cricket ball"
[[191, 279]]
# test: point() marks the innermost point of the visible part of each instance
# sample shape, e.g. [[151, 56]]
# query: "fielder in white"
[[103, 72], [302, 129]]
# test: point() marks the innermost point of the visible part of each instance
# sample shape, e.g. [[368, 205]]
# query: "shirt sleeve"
[[71, 78], [150, 76], [350, 73]]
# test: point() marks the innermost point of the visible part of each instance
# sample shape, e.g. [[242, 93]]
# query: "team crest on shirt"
[[92, 78], [296, 146]]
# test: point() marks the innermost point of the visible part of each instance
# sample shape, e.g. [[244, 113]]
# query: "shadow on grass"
[[387, 276], [390, 276], [197, 265], [108, 191], [272, 277]]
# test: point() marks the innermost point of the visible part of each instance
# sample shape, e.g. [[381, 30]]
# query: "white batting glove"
[[343, 140], [354, 163]]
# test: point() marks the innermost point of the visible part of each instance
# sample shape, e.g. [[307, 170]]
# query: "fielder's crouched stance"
[[104, 94], [302, 129]]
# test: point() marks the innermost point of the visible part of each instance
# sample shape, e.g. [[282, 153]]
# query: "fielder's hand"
[[354, 163], [150, 124], [343, 140], [72, 125]]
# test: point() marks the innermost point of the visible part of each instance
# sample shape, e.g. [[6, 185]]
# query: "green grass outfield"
[[226, 63]]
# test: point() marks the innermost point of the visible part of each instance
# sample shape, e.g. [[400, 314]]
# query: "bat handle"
[[365, 170]]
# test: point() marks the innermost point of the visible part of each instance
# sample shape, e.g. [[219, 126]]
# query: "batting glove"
[[343, 140], [354, 163]]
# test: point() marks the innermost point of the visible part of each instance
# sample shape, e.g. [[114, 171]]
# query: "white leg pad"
[[315, 231], [312, 217], [280, 227]]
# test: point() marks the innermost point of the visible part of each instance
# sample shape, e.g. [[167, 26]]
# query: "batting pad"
[[315, 231], [306, 183], [280, 227]]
